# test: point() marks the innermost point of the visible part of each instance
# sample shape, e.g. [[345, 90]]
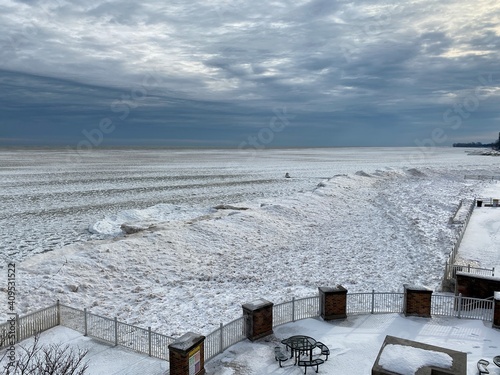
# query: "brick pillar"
[[333, 302], [417, 301], [258, 318], [496, 310], [187, 355]]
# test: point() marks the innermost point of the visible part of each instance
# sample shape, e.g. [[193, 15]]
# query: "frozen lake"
[[365, 218], [49, 198]]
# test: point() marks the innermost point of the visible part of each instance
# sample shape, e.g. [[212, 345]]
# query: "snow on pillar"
[[333, 302], [187, 355], [258, 319]]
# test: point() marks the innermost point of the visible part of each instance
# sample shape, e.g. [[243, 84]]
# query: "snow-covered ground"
[[364, 218], [480, 245], [103, 359], [354, 344]]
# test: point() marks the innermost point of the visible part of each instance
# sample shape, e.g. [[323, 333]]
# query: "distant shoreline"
[[152, 147]]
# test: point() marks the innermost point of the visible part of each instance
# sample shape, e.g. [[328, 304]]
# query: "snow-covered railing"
[[481, 177], [307, 307], [72, 318], [451, 258], [38, 321], [489, 201], [473, 270], [109, 330], [284, 312], [156, 345], [295, 309], [374, 302], [101, 328], [462, 307], [224, 337]]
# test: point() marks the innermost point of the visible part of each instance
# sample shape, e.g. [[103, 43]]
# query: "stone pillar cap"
[[417, 287], [338, 288], [496, 295], [257, 304], [187, 341]]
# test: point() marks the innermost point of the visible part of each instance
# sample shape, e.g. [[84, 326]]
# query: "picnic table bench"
[[482, 365], [279, 355], [324, 349], [310, 363]]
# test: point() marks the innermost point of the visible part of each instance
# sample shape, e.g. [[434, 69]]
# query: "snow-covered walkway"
[[481, 242], [103, 359], [355, 342]]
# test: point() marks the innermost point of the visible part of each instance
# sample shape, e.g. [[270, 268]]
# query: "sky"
[[249, 74]]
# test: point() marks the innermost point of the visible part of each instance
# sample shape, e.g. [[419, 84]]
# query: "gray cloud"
[[215, 72]]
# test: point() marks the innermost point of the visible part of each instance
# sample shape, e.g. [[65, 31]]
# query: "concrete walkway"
[[104, 359], [481, 242]]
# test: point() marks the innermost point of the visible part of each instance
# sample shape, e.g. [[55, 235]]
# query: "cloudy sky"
[[240, 73]]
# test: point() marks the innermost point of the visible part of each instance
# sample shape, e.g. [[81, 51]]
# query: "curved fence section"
[[224, 337], [296, 309], [283, 313], [156, 345]]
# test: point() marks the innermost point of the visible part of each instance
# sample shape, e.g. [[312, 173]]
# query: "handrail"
[[143, 340]]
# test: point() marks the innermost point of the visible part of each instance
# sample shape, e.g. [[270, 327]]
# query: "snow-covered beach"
[[364, 218]]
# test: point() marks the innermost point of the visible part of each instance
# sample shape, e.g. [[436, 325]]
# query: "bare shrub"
[[38, 359]]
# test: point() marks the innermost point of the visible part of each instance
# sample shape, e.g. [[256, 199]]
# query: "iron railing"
[[462, 307], [448, 275], [38, 321], [481, 177], [108, 330], [156, 345], [224, 337], [296, 309], [472, 270], [374, 302]]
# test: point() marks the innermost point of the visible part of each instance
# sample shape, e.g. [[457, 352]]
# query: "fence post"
[[187, 355], [332, 302], [58, 312], [459, 305], [85, 321], [496, 310], [418, 301], [373, 300], [116, 331], [258, 318], [293, 309], [221, 344], [493, 271], [149, 341]]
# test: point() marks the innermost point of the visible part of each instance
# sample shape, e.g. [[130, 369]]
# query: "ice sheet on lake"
[[111, 225]]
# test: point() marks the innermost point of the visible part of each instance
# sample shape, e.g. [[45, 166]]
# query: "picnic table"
[[300, 345]]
